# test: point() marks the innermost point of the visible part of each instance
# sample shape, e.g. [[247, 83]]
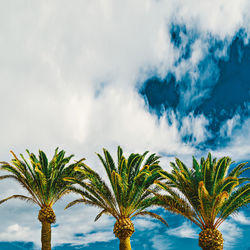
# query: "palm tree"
[[127, 196], [44, 182], [212, 191]]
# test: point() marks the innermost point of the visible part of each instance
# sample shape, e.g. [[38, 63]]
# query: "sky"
[[171, 77]]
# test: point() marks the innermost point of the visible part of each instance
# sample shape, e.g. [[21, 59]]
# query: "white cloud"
[[94, 237], [220, 18], [145, 224], [17, 232], [241, 218], [195, 126], [228, 126], [161, 242], [184, 231], [231, 234], [238, 147], [20, 223]]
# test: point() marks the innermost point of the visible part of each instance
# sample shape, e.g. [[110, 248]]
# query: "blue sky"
[[169, 76]]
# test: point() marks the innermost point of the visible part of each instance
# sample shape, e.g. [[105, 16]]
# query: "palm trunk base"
[[125, 244], [46, 235], [211, 239], [213, 248]]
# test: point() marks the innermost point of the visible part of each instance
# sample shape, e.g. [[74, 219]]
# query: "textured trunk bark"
[[211, 239], [212, 248], [125, 244], [46, 235]]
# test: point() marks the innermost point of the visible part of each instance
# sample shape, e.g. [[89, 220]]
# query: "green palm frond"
[[211, 191], [130, 183], [43, 179], [20, 197], [151, 214], [237, 200], [104, 211], [80, 201]]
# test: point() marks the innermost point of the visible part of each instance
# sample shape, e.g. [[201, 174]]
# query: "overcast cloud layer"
[[70, 74]]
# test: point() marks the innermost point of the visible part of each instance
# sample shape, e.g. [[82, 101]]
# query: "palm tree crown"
[[129, 193], [43, 180], [212, 190]]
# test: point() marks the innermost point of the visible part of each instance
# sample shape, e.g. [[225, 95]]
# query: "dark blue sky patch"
[[16, 245], [194, 92], [232, 91], [231, 94], [160, 93], [182, 39], [79, 235], [223, 85], [94, 246], [175, 33]]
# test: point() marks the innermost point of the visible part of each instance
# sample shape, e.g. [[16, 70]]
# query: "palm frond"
[[130, 181], [212, 193], [43, 180], [104, 211], [151, 214], [21, 197]]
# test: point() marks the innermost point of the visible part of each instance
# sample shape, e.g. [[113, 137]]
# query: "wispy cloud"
[[161, 242], [231, 234], [184, 231], [145, 224], [238, 147], [241, 218]]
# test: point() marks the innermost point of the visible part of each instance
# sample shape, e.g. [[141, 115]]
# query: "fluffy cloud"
[[145, 224], [231, 233], [69, 76], [183, 231], [161, 242], [238, 147], [22, 224], [241, 218]]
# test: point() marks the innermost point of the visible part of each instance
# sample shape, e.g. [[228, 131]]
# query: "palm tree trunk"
[[212, 248], [125, 244], [46, 235]]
